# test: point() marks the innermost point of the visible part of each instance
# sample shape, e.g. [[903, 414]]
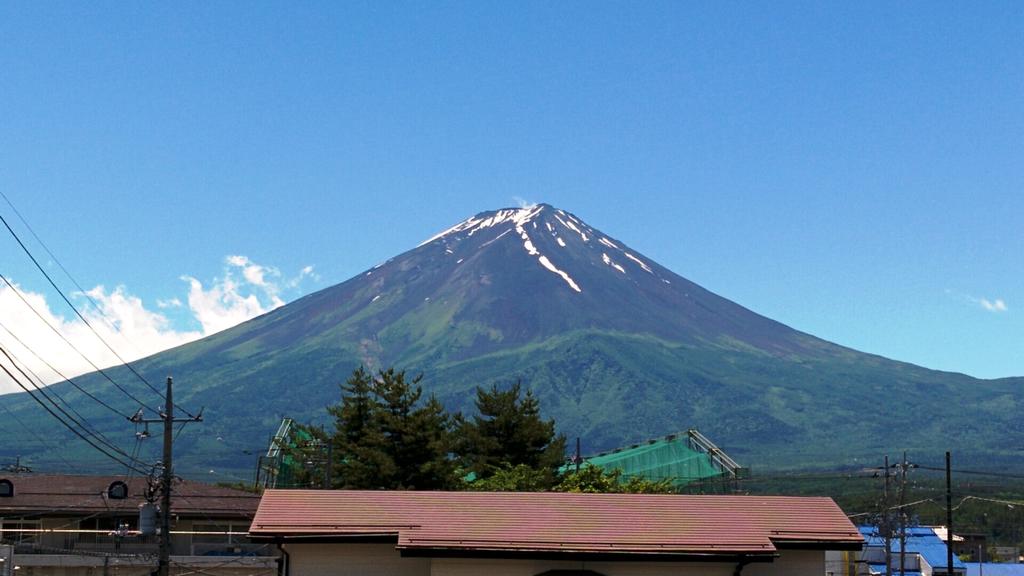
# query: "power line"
[[32, 431], [73, 429], [66, 425], [977, 472], [68, 342], [79, 314], [82, 424], [53, 257], [46, 392], [28, 375], [61, 374]]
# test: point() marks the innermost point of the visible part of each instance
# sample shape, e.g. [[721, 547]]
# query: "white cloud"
[[124, 321], [254, 273], [306, 272], [996, 305], [125, 324], [523, 203]]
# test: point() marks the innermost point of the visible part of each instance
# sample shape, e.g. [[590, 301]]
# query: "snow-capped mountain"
[[515, 275], [616, 347]]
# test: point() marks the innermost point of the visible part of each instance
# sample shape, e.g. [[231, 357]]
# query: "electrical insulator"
[[147, 519]]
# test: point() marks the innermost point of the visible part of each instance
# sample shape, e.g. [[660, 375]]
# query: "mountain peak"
[[555, 239], [516, 216]]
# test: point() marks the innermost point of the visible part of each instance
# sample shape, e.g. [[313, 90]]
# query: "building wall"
[[470, 567], [80, 554], [76, 565], [791, 563], [352, 560], [383, 559]]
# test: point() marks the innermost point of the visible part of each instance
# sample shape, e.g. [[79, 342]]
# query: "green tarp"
[[669, 457]]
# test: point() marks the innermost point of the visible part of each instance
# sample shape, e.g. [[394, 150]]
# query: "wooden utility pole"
[[949, 518], [886, 524], [166, 479], [164, 567], [901, 512]]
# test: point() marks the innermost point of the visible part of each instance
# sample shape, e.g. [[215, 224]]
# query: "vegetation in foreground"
[[387, 436]]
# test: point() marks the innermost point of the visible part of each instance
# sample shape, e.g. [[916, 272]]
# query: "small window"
[[117, 490], [6, 488]]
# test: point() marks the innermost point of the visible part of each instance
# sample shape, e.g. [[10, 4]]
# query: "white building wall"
[[469, 567], [791, 563], [383, 559], [352, 560]]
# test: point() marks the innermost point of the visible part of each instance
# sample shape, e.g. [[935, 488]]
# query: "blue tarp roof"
[[920, 539], [994, 569], [880, 569]]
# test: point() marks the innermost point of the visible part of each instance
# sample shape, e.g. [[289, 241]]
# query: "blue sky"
[[855, 171]]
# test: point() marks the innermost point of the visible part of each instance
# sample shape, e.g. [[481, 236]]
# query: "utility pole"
[[168, 419], [579, 457], [949, 518], [902, 513], [886, 525]]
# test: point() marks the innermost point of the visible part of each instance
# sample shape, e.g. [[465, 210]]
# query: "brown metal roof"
[[65, 494], [558, 522]]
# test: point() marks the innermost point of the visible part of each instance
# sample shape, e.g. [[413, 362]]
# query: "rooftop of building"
[[67, 494], [496, 522]]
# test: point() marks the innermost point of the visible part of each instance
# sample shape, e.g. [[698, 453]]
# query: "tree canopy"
[[508, 432], [387, 436]]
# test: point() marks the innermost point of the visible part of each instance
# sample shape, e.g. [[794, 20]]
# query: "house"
[[994, 569], [344, 532], [69, 525], [925, 552]]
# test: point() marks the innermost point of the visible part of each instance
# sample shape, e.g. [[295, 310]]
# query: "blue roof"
[[920, 539], [880, 569], [994, 569]]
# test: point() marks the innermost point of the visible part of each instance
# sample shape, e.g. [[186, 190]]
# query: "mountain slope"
[[617, 347]]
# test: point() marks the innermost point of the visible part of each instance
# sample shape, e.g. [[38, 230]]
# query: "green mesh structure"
[[288, 468], [673, 457], [278, 468]]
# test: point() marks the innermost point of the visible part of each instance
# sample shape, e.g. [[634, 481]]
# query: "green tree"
[[416, 438], [385, 437], [519, 478], [594, 479], [357, 445], [508, 432]]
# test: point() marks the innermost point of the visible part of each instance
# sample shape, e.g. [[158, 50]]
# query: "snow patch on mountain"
[[639, 261], [530, 248], [473, 224], [520, 218], [495, 239], [547, 264], [607, 260]]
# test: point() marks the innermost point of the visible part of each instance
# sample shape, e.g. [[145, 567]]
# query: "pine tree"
[[385, 437], [359, 455], [416, 438], [509, 432]]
